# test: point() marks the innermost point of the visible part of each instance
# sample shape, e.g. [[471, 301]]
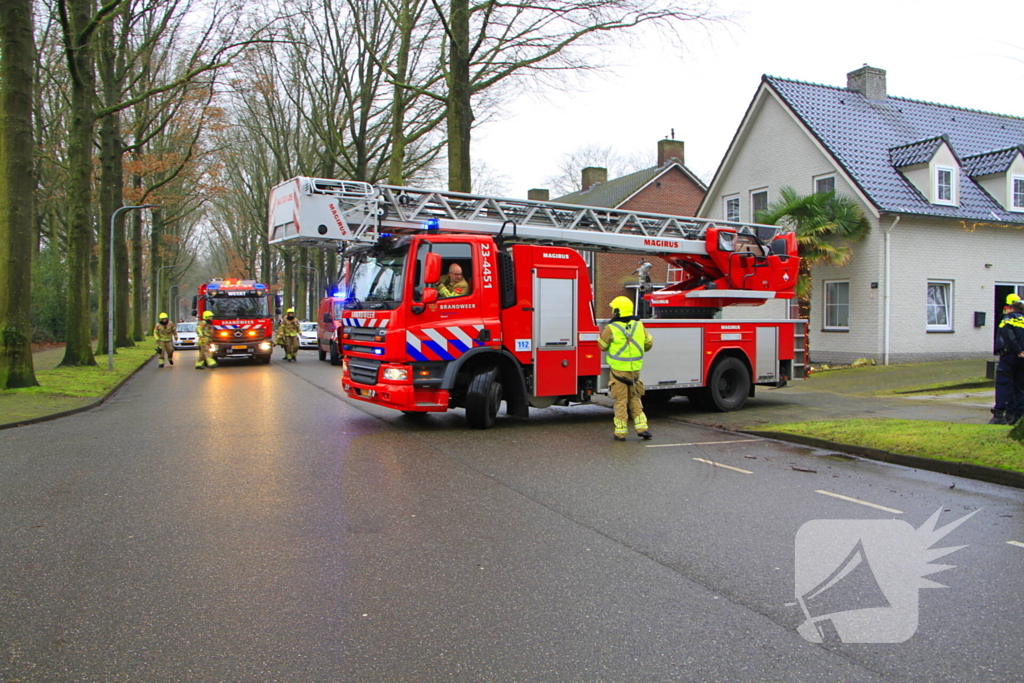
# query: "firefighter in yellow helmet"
[[204, 330], [288, 335], [625, 341], [1009, 405], [166, 334]]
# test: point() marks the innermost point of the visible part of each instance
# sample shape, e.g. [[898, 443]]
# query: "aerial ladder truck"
[[526, 332]]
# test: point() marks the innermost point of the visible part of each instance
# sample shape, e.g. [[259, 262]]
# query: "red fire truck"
[[242, 319], [526, 332]]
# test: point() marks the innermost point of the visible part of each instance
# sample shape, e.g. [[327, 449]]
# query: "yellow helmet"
[[207, 315], [163, 315], [290, 310], [1012, 299], [623, 305]]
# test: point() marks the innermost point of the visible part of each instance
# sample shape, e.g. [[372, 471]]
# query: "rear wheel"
[[483, 398], [335, 356], [728, 388]]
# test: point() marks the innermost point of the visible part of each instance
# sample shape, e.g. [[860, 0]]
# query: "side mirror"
[[328, 318], [277, 304], [430, 294], [432, 269]]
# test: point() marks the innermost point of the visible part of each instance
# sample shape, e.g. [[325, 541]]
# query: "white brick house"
[[943, 189]]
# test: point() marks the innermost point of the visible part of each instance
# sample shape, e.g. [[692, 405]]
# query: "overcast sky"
[[967, 54]]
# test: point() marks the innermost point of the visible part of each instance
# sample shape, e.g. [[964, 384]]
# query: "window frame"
[[1012, 204], [948, 326], [818, 179], [827, 306], [939, 170], [753, 198], [725, 208]]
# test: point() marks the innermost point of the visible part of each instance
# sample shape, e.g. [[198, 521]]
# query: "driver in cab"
[[452, 284]]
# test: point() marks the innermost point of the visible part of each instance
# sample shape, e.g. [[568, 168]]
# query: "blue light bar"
[[209, 287], [432, 225]]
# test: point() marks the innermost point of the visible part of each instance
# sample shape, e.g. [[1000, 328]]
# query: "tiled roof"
[[993, 162], [859, 133], [915, 153], [613, 192]]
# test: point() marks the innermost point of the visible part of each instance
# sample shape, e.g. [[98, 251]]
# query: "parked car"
[[187, 337], [307, 336]]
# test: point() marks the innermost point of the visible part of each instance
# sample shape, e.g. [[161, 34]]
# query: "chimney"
[[538, 195], [868, 81], [670, 150], [594, 176]]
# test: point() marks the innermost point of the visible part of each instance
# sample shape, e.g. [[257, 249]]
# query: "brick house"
[[668, 188], [943, 189]]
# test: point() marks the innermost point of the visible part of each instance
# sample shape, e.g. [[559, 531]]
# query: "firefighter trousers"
[[291, 347], [627, 389], [164, 349]]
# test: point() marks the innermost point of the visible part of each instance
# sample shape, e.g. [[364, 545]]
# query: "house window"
[[1018, 194], [837, 305], [826, 184], [944, 189], [732, 209], [940, 306], [675, 274], [758, 202]]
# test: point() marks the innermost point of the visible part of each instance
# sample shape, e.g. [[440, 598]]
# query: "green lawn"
[[986, 445]]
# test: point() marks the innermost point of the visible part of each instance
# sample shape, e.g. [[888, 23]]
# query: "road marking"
[[1016, 543], [699, 443], [862, 502], [728, 467]]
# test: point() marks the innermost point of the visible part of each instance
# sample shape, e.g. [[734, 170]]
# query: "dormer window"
[[945, 185], [1018, 193]]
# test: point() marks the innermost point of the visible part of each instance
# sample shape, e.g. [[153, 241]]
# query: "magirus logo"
[[857, 580]]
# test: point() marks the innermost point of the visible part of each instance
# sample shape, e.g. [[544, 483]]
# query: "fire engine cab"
[[242, 322], [524, 331]]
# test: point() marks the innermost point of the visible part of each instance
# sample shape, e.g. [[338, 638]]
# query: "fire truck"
[[526, 331], [242, 321]]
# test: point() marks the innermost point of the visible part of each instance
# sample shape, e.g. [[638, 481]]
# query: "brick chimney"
[[868, 81], [592, 176], [669, 150], [538, 195]]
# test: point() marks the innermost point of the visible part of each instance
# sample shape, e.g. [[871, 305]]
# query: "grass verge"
[[985, 445], [61, 389]]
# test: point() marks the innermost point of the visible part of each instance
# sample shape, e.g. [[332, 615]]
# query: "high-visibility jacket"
[[1010, 336], [165, 333], [625, 342], [204, 330]]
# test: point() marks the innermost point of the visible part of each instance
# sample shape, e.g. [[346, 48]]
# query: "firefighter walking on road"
[[166, 334], [204, 330], [625, 340], [1009, 405], [288, 335]]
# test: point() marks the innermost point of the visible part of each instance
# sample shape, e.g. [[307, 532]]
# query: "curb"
[[80, 409], [954, 468]]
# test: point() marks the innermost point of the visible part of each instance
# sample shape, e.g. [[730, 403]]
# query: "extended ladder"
[[315, 211]]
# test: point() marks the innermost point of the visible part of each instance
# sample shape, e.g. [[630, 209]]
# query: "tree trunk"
[[289, 280], [460, 106], [17, 180], [303, 280], [106, 210], [78, 350]]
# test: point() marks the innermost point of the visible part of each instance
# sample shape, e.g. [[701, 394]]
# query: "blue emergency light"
[[432, 225]]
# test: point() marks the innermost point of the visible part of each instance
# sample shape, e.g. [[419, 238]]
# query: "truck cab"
[[242, 317]]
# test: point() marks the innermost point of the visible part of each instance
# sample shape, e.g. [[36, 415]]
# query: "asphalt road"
[[250, 524]]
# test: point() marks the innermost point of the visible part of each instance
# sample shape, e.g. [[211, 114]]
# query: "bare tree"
[[571, 165]]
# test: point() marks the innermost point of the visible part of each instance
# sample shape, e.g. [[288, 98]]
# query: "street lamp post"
[[318, 289], [157, 290], [110, 300]]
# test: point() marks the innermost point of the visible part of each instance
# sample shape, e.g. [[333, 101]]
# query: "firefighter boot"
[[170, 358], [621, 429], [211, 363], [998, 417], [640, 425]]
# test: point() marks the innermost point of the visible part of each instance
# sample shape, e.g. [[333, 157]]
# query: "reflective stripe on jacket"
[[628, 343]]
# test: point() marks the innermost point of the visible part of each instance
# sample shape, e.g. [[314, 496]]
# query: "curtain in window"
[[938, 311]]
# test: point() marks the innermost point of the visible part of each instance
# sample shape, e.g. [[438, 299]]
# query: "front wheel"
[[335, 356], [320, 353], [483, 398], [729, 386]]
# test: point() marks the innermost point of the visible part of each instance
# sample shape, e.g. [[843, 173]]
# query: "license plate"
[[239, 348]]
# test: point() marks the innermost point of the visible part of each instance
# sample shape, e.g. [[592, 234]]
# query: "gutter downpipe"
[[888, 289]]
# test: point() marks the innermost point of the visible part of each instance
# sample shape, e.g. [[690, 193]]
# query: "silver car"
[[307, 336], [187, 337]]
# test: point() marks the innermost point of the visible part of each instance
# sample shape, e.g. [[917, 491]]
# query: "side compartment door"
[[554, 331], [766, 363]]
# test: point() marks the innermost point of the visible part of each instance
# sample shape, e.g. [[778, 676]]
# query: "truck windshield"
[[237, 306], [375, 279]]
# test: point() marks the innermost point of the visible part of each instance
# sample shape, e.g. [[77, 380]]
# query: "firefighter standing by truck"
[[288, 335], [166, 334], [625, 341], [204, 330]]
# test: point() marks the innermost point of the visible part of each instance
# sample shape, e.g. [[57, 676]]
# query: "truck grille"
[[363, 370]]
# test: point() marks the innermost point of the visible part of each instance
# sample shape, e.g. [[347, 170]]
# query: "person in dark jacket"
[[1009, 405]]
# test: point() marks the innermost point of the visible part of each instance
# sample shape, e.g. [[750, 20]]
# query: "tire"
[[265, 360], [335, 356], [320, 353], [728, 387], [483, 398]]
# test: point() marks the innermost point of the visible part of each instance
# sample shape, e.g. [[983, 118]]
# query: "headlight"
[[213, 347], [265, 346], [396, 374]]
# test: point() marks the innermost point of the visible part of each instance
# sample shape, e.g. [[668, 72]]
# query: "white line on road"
[[728, 467], [862, 502], [1016, 543], [699, 443]]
